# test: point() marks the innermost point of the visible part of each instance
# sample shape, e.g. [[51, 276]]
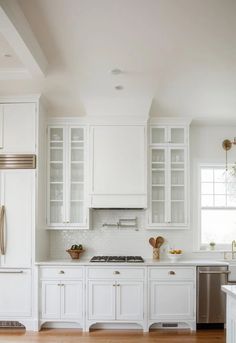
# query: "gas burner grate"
[[117, 259]]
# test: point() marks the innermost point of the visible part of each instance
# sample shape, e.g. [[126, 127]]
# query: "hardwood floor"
[[110, 336]]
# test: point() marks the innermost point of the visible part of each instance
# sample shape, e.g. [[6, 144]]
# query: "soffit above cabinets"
[[21, 56]]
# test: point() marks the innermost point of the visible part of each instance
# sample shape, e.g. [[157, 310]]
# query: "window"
[[218, 206]]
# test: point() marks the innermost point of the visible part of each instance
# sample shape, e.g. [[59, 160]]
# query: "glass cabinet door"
[[177, 185], [158, 181], [56, 175], [76, 187], [158, 135], [177, 135]]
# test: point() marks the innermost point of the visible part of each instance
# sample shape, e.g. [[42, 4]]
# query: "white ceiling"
[[181, 52]]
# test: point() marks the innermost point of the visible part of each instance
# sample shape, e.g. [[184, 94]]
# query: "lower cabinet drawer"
[[175, 273], [116, 272], [61, 273]]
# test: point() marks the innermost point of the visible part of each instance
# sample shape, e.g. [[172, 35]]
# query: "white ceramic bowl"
[[174, 257]]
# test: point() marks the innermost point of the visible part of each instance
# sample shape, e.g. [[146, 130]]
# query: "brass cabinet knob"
[[61, 272], [171, 272], [116, 272]]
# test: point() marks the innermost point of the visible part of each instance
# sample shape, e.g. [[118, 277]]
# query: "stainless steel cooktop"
[[122, 259]]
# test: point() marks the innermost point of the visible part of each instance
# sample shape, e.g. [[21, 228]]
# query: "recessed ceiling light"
[[7, 55], [116, 71], [119, 87]]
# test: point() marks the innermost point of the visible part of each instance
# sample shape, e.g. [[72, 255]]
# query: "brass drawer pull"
[[116, 272], [171, 272]]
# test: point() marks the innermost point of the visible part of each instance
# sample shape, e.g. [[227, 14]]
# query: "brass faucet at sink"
[[233, 248]]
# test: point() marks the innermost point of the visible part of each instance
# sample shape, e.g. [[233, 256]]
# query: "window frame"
[[204, 246]]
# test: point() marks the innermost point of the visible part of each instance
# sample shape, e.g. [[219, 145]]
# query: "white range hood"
[[118, 154]]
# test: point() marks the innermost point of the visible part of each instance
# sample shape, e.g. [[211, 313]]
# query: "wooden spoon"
[[159, 241], [152, 241]]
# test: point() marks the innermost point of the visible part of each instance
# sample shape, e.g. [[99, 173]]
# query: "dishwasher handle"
[[214, 272]]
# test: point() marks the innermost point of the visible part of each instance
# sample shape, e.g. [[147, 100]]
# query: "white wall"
[[205, 147]]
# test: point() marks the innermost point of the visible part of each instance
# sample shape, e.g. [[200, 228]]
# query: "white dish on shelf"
[[174, 257]]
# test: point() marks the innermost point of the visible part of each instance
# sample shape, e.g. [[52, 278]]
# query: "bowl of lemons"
[[175, 254]]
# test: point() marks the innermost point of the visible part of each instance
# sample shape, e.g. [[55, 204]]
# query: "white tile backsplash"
[[112, 241]]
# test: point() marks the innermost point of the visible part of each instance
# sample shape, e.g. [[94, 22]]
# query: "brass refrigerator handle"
[[2, 228]]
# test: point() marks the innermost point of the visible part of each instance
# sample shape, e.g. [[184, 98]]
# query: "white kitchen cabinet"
[[129, 300], [172, 295], [18, 128], [116, 300], [115, 295], [51, 299], [66, 177], [15, 290], [62, 294], [118, 166], [102, 300], [62, 300], [17, 196], [171, 300], [168, 176]]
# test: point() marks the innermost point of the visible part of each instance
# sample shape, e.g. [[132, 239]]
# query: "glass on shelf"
[[77, 155], [56, 172], [158, 135], [177, 177], [77, 134], [56, 134], [56, 212], [177, 156], [177, 212], [177, 193], [158, 155], [77, 192], [77, 172], [177, 135], [56, 191], [56, 145], [56, 155], [177, 166], [158, 177], [158, 193], [158, 166], [77, 145], [158, 212], [76, 212]]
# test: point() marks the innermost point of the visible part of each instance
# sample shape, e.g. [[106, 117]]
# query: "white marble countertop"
[[147, 262], [229, 290]]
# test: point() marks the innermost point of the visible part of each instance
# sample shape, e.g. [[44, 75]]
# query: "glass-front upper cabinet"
[[66, 170], [168, 177], [168, 135]]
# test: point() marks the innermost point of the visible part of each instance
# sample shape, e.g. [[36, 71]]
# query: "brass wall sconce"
[[227, 145]]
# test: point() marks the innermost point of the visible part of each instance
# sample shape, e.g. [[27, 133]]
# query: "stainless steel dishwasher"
[[211, 304]]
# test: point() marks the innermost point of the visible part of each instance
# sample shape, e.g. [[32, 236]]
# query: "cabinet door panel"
[[15, 290], [118, 160], [102, 300], [19, 128], [51, 299], [129, 301], [171, 300], [18, 197], [71, 300]]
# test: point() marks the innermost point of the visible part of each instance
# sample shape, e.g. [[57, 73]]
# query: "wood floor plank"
[[111, 336]]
